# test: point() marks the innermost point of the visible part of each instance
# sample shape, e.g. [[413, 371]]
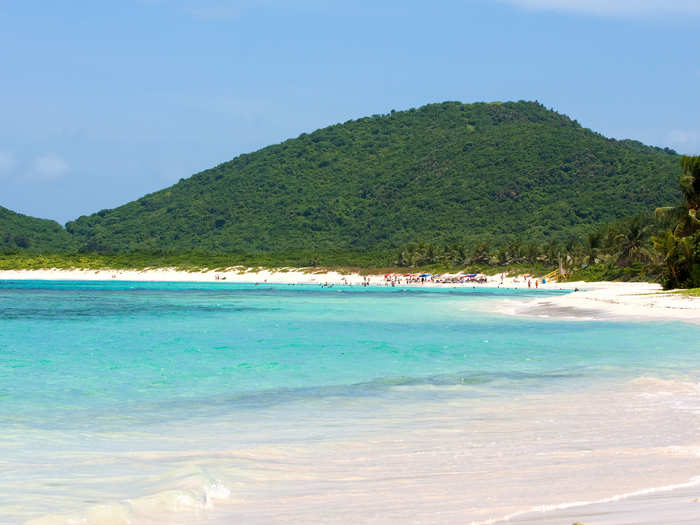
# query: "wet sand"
[[614, 301], [668, 507]]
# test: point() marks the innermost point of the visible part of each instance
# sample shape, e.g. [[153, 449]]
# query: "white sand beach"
[[608, 300], [234, 275], [673, 504], [589, 300]]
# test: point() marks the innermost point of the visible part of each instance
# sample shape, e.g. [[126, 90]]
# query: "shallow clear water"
[[159, 402]]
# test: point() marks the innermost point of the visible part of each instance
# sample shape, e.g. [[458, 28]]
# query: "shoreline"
[[285, 276], [252, 275], [610, 301], [590, 301], [675, 503]]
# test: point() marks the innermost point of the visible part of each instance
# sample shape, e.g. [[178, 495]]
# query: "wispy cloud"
[[614, 7], [48, 168]]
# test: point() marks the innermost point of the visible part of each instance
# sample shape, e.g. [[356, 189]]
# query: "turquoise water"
[[80, 362]]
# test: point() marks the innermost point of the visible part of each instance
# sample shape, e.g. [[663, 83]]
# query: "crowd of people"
[[393, 279], [396, 279]]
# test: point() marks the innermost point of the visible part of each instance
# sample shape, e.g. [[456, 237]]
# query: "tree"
[[481, 253], [592, 245], [680, 249], [686, 215], [633, 241]]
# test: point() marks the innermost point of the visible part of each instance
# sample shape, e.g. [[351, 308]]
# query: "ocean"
[[149, 403]]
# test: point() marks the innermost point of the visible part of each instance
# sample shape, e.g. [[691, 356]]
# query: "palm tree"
[[455, 255], [666, 246], [680, 256], [569, 256], [532, 253], [681, 249], [592, 245], [552, 251], [481, 253], [632, 241], [686, 215], [515, 251]]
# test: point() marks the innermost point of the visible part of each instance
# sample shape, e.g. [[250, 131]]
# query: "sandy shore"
[[591, 301], [172, 275], [670, 505], [624, 301], [281, 276]]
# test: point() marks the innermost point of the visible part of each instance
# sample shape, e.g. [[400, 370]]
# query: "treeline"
[[663, 246], [197, 261], [680, 247], [620, 250]]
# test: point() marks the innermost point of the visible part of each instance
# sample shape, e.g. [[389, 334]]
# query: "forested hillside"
[[445, 172], [22, 233]]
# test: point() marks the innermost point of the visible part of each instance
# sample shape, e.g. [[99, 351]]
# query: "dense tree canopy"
[[443, 173], [680, 248], [22, 233]]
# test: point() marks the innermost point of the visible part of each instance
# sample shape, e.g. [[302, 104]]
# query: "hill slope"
[[21, 232], [444, 172]]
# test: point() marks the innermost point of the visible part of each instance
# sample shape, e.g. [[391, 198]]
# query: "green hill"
[[23, 233], [445, 172]]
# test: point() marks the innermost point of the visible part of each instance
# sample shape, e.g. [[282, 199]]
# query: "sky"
[[103, 102]]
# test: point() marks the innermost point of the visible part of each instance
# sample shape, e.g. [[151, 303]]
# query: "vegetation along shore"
[[491, 188]]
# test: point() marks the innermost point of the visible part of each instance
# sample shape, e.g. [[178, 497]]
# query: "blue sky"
[[102, 102]]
